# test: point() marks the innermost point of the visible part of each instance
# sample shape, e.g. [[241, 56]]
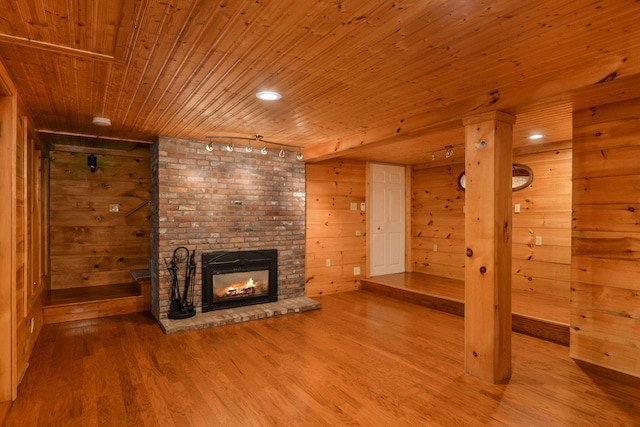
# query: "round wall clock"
[[521, 177]]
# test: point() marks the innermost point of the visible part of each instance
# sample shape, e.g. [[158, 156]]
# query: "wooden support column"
[[488, 170]]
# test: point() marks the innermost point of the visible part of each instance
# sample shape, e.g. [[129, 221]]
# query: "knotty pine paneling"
[[605, 320], [437, 219], [332, 186], [543, 272], [91, 246], [7, 242], [21, 291]]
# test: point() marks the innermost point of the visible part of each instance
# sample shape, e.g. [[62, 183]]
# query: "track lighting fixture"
[[448, 151], [257, 139]]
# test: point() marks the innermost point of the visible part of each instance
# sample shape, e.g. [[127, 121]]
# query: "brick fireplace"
[[213, 201]]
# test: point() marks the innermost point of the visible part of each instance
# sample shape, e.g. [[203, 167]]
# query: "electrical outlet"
[[538, 240], [356, 271], [114, 207], [354, 206], [516, 208], [358, 233]]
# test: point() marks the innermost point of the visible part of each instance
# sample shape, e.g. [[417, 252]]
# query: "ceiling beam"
[[372, 139], [51, 47], [82, 135]]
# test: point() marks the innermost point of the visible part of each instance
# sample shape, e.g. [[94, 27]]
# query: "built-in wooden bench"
[[63, 305], [444, 294]]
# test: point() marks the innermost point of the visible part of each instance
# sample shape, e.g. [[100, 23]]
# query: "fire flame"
[[243, 289]]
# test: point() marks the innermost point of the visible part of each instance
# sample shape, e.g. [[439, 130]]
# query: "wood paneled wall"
[[32, 279], [23, 269], [543, 271], [8, 120], [605, 297], [437, 221], [91, 246], [332, 226], [437, 224]]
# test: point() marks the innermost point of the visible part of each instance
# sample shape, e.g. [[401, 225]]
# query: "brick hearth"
[[240, 314]]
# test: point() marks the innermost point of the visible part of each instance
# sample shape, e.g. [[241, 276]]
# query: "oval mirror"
[[521, 177]]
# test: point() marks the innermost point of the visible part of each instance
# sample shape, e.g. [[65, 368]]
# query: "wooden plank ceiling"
[[384, 80]]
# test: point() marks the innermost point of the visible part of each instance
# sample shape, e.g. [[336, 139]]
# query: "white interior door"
[[387, 224]]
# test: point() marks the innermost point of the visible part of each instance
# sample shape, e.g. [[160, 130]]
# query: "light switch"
[[328, 262], [435, 247], [516, 208], [538, 240], [362, 206]]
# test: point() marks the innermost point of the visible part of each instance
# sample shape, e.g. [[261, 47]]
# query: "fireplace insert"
[[234, 279]]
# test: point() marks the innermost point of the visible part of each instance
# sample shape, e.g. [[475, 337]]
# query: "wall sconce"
[[92, 162]]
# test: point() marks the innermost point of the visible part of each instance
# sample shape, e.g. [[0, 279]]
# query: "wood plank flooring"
[[361, 360]]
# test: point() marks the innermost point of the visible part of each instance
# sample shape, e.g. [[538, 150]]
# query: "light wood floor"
[[361, 360]]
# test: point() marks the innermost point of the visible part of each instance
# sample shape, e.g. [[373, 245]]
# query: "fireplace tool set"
[[183, 271]]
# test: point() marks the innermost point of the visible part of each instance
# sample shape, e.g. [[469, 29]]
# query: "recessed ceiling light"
[[267, 95], [101, 121], [536, 136]]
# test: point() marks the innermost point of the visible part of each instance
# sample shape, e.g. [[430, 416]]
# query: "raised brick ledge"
[[230, 316]]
